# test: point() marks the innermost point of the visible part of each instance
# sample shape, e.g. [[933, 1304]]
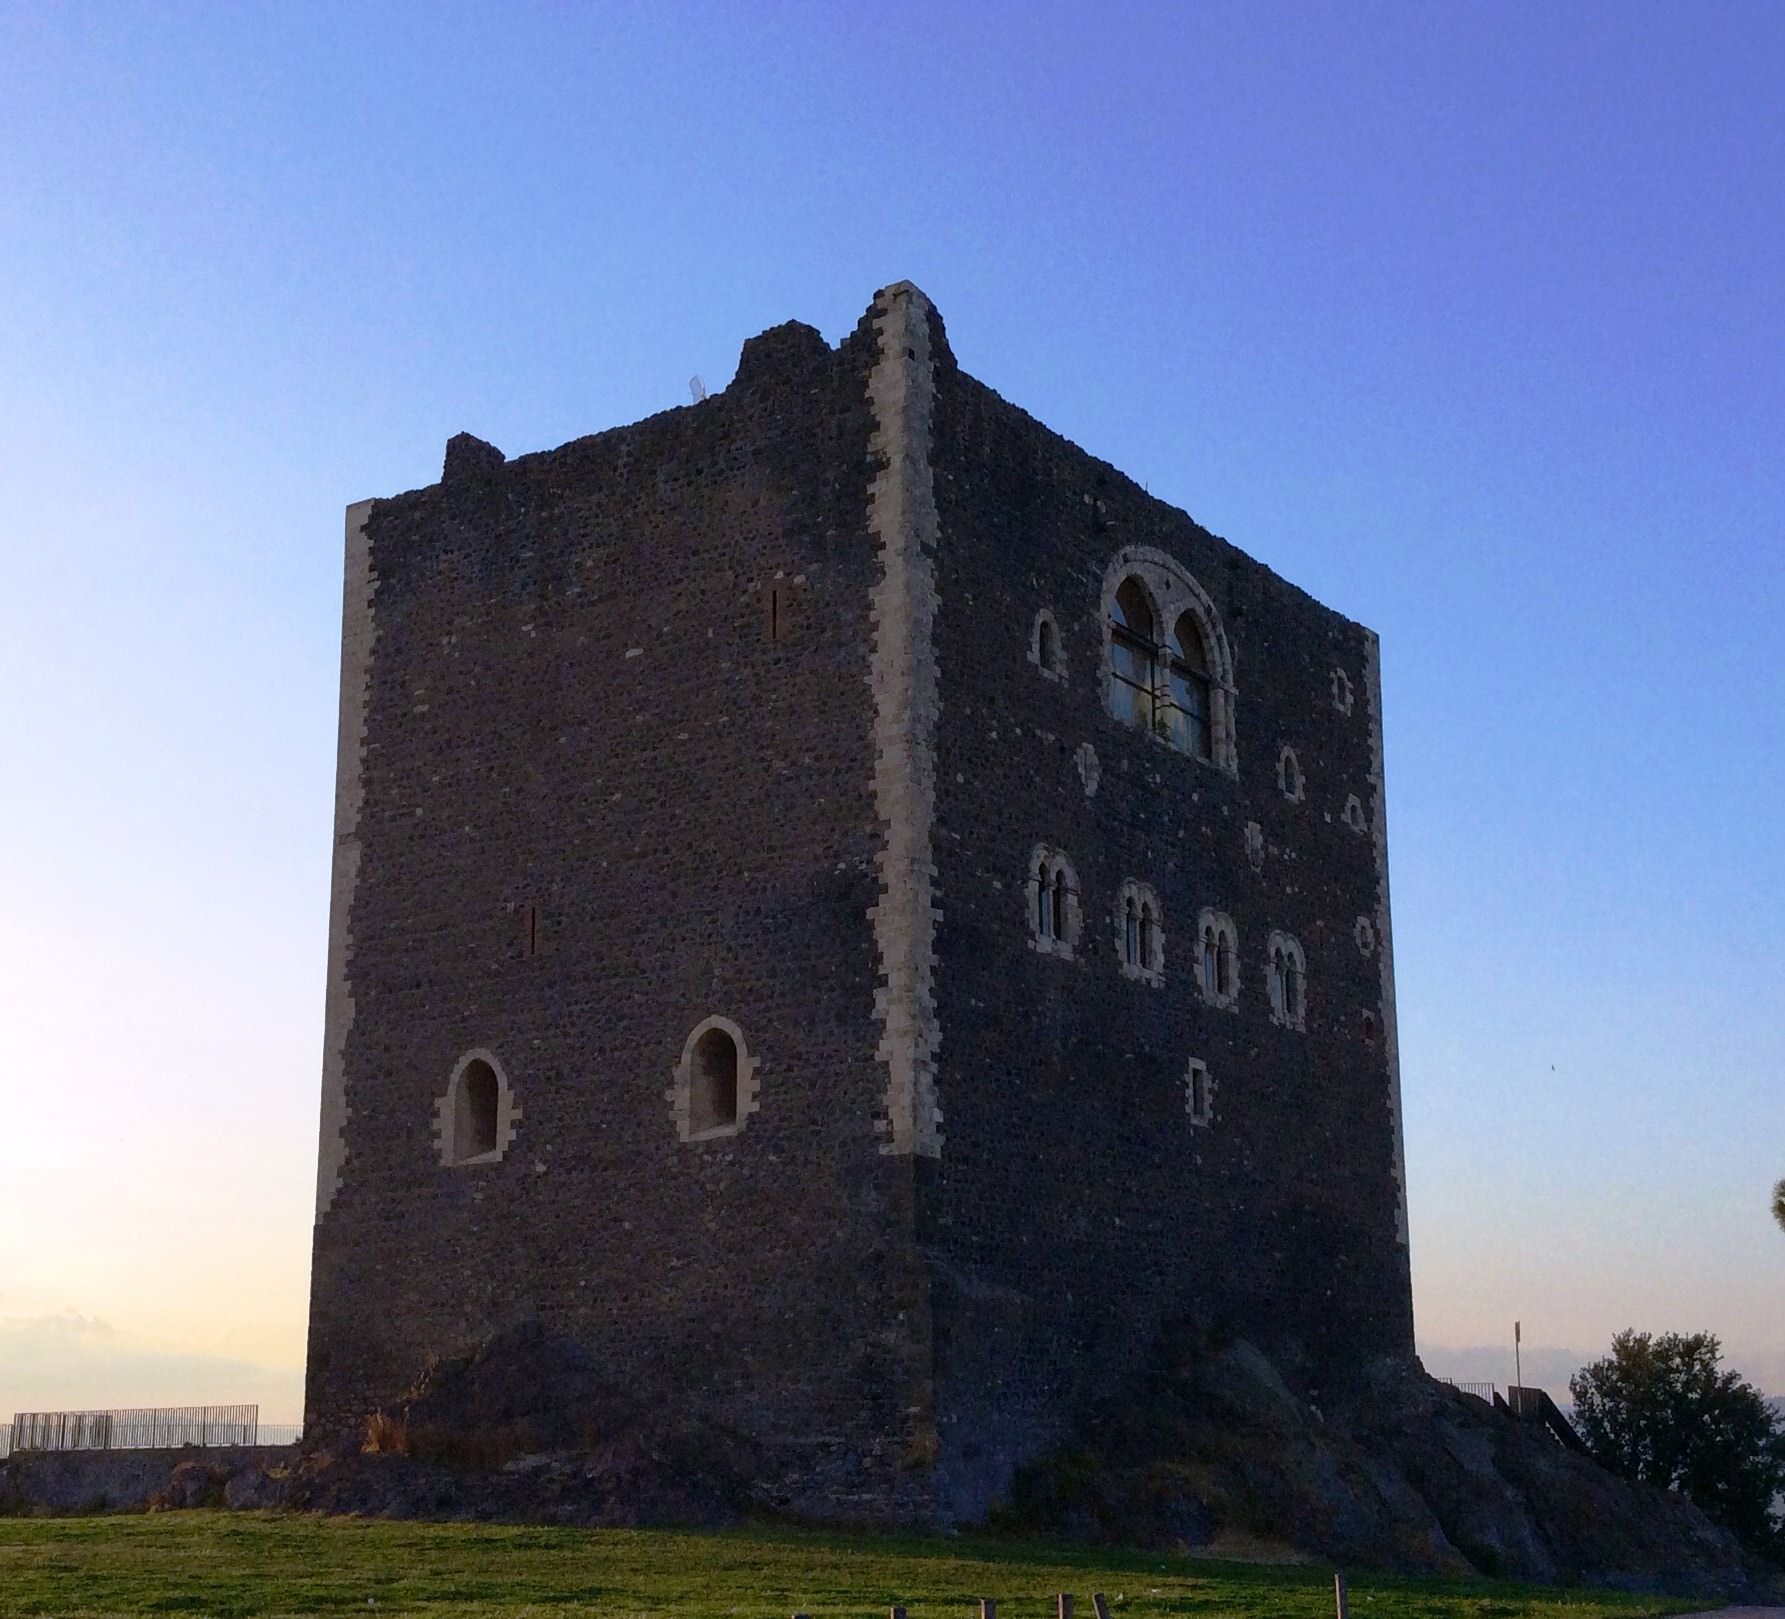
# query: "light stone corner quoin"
[[902, 678], [1385, 953], [358, 632]]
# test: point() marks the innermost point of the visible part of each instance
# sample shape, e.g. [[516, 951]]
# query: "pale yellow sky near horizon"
[[169, 1300]]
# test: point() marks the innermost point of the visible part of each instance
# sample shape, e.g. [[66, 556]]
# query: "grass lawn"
[[232, 1564]]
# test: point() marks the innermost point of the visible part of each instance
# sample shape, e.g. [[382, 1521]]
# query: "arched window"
[[1220, 959], [1140, 936], [1190, 713], [474, 1113], [1289, 774], [1131, 654], [475, 1120], [716, 1088], [1054, 913], [1046, 651], [1283, 961], [1170, 662], [713, 1082]]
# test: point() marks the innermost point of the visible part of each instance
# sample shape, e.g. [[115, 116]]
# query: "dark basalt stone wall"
[[601, 803], [1075, 1206], [575, 705]]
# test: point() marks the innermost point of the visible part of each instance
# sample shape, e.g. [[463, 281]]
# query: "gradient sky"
[[1469, 318]]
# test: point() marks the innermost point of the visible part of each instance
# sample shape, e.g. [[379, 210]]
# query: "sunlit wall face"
[[1467, 321]]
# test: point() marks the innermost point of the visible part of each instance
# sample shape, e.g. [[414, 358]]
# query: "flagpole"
[[1517, 1368]]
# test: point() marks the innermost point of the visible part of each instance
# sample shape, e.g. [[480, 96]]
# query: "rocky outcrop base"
[[1397, 1472]]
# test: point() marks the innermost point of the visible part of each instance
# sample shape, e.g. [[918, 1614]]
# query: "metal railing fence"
[[142, 1428], [1481, 1391]]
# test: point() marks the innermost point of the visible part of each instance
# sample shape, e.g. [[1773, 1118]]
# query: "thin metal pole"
[[1339, 1605]]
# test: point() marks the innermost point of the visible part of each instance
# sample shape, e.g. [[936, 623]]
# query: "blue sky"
[[1469, 318]]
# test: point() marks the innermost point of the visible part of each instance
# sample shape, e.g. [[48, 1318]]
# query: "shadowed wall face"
[[1128, 1146], [615, 785]]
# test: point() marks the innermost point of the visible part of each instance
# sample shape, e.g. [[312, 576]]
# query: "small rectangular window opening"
[[1199, 1094], [530, 929]]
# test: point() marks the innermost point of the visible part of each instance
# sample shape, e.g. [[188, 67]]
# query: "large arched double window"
[[1170, 665]]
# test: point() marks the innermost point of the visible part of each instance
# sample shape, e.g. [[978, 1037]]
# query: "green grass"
[[237, 1564]]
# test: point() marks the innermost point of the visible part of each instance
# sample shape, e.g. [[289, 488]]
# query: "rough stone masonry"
[[856, 914]]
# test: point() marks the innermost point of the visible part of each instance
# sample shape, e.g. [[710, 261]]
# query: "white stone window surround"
[[1171, 592], [1291, 781], [1217, 927], [1343, 697], [1047, 653], [1363, 931], [1060, 937], [1354, 814], [1199, 1093], [680, 1095], [448, 1121], [1289, 995], [1150, 928]]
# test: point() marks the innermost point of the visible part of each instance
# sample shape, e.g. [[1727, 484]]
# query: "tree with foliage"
[[1662, 1410], [1779, 1203]]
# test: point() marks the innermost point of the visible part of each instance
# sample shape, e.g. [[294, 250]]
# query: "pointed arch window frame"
[[1051, 898], [1139, 922], [1171, 592], [1218, 959], [746, 1084], [1286, 972]]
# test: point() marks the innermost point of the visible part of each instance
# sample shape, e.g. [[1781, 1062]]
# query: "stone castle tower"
[[857, 914]]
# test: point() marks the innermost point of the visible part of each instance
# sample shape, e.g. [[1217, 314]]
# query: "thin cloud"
[[70, 1361]]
